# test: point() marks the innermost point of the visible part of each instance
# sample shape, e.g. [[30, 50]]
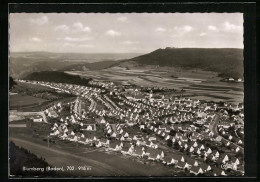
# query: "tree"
[[208, 161], [186, 170], [169, 143], [231, 129], [158, 124], [176, 145], [11, 83], [173, 132]]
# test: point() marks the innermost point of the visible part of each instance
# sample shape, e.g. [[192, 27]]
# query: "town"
[[150, 124]]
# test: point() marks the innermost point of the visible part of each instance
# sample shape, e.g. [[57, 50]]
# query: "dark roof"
[[178, 157], [153, 154], [82, 139], [217, 171], [103, 140], [138, 150], [181, 164], [168, 158], [195, 169], [151, 150]]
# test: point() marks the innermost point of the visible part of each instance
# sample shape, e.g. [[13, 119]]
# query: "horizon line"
[[123, 52]]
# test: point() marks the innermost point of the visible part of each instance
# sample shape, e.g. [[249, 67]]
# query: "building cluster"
[[174, 131]]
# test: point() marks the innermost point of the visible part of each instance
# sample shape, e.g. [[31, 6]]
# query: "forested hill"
[[228, 62], [57, 77]]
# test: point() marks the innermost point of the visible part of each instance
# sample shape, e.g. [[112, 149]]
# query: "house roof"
[[112, 145], [168, 158], [126, 144], [82, 139], [190, 161], [151, 150], [181, 164], [216, 171], [138, 150], [195, 169], [103, 140], [178, 157], [153, 154], [95, 142], [71, 136]]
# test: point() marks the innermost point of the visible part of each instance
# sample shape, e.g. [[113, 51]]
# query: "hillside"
[[20, 157], [226, 61], [57, 77]]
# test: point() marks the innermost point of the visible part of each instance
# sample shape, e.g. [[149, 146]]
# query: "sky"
[[123, 32]]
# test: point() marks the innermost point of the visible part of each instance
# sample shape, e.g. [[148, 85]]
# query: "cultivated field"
[[198, 84]]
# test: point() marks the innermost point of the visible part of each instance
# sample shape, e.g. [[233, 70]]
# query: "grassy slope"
[[20, 157], [227, 62]]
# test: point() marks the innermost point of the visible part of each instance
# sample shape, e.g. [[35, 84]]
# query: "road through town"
[[214, 129], [214, 125]]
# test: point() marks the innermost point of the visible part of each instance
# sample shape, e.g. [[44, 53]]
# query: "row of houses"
[[195, 148], [127, 148]]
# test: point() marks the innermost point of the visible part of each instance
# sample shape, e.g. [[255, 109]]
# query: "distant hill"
[[91, 66], [87, 57], [23, 63], [21, 67], [227, 62], [57, 77]]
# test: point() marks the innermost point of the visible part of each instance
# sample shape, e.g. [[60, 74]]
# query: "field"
[[204, 85], [20, 100]]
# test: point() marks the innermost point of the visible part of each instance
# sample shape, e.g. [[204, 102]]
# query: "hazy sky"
[[123, 32]]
